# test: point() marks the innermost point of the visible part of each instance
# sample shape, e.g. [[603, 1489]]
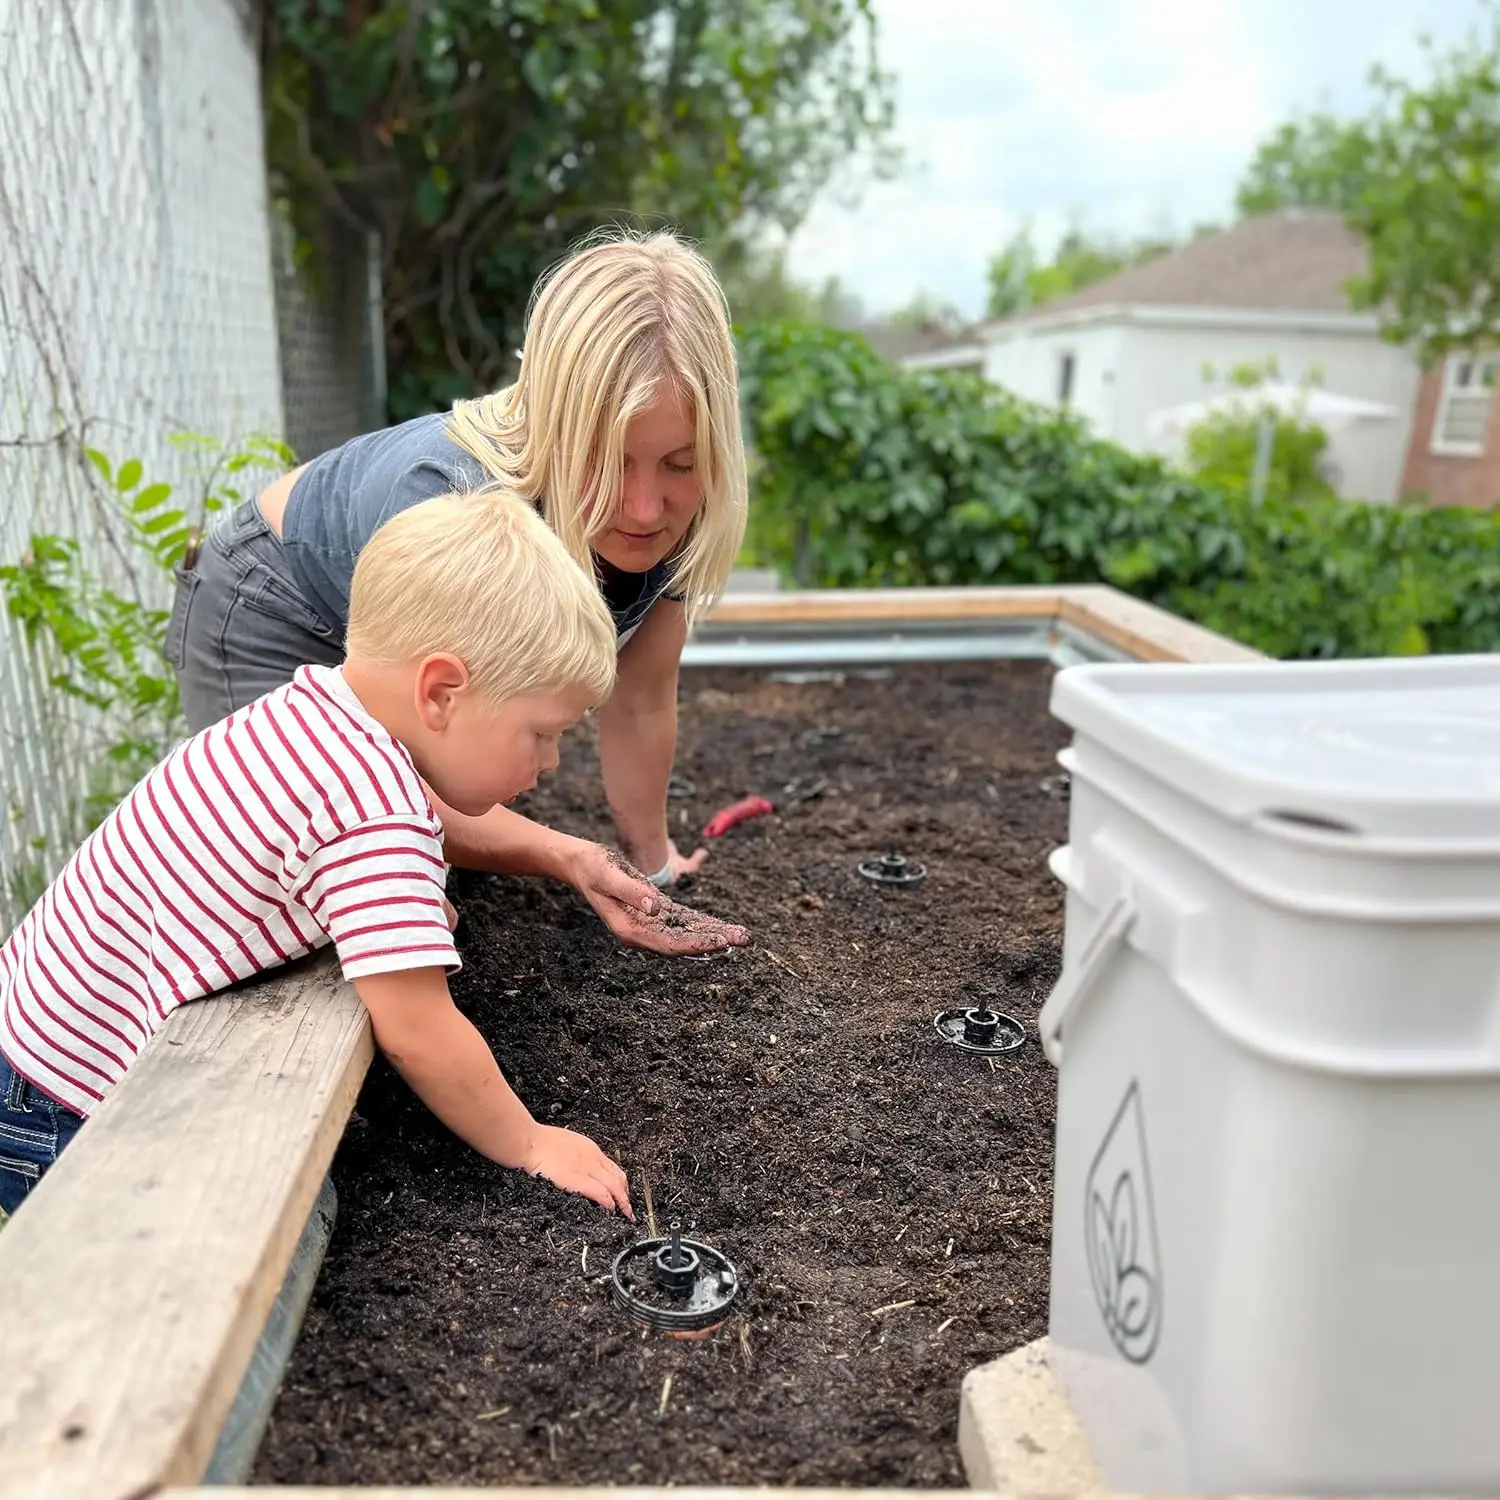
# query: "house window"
[[1463, 412], [1065, 364]]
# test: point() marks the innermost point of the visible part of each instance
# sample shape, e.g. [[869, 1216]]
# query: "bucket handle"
[[1077, 980]]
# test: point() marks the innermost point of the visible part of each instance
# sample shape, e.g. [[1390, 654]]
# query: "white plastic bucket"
[[1277, 1216]]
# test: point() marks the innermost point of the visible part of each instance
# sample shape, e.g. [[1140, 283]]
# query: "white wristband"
[[663, 876]]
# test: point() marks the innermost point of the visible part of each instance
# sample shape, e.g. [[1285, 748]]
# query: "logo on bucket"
[[1120, 1234]]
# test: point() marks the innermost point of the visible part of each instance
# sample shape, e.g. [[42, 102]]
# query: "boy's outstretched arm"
[[452, 1070]]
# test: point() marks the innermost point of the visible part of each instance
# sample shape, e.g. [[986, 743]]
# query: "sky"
[[1127, 116]]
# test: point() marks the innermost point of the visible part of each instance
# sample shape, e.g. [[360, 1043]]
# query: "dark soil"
[[886, 1198]]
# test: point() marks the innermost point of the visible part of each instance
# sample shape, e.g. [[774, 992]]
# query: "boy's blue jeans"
[[33, 1130]]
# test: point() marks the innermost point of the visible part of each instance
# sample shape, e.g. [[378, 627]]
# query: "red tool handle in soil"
[[737, 812]]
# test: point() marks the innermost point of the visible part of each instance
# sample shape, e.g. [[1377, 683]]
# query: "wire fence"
[[331, 336], [137, 301]]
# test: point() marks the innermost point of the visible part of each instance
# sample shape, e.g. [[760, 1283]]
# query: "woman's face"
[[660, 495]]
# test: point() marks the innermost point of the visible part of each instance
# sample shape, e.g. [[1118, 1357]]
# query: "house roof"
[[1295, 260]]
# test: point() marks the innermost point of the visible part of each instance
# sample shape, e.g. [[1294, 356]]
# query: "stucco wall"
[[1124, 371]]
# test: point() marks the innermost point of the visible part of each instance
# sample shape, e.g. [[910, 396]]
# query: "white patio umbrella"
[[1330, 411]]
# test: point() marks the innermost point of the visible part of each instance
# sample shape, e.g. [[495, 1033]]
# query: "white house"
[[1271, 287]]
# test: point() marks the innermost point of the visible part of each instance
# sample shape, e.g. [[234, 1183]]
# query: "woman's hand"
[[639, 915]]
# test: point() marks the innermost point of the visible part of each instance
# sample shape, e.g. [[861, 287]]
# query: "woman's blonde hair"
[[484, 578], [606, 330]]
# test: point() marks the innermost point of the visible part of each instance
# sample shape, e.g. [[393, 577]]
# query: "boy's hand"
[[576, 1165], [446, 1061]]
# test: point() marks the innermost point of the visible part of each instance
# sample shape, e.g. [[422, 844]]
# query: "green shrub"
[[872, 475], [100, 643], [1220, 452]]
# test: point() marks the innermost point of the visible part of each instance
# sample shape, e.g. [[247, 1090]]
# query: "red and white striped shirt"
[[295, 821]]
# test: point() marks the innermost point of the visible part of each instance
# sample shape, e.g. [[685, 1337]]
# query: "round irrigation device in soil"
[[823, 734], [803, 789], [978, 1029], [893, 869], [675, 1286]]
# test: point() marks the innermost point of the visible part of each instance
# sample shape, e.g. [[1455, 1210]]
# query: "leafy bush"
[[1325, 579], [872, 475], [101, 644], [1220, 452], [905, 477]]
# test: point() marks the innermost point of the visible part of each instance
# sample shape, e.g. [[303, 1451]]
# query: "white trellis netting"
[[136, 301]]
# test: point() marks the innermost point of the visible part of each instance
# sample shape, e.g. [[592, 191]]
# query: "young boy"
[[474, 641]]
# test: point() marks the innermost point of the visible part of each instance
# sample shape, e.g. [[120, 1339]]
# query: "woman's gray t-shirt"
[[346, 494]]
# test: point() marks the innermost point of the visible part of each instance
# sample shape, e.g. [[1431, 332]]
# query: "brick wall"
[[1445, 479]]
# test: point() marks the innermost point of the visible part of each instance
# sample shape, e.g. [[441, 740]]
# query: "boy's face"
[[480, 755]]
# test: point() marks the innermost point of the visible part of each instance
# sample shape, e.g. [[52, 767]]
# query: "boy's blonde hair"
[[482, 577], [607, 329]]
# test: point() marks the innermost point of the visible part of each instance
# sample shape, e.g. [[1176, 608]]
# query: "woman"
[[623, 426]]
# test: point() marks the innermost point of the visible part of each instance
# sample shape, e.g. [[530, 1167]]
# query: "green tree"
[[926, 311], [1315, 162], [759, 285], [1419, 178], [481, 138], [1430, 204], [1009, 276], [1019, 278]]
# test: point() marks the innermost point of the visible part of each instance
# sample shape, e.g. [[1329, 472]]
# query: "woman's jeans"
[[33, 1131], [239, 625]]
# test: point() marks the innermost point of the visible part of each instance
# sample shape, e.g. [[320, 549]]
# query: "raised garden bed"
[[793, 1106], [140, 1254]]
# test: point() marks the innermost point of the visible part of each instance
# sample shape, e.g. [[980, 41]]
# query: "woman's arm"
[[638, 738]]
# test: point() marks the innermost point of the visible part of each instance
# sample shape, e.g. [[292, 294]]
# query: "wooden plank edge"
[[58, 1443], [878, 606], [200, 1436], [1146, 631]]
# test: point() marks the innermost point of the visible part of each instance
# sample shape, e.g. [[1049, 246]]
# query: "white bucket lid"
[[1405, 748]]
